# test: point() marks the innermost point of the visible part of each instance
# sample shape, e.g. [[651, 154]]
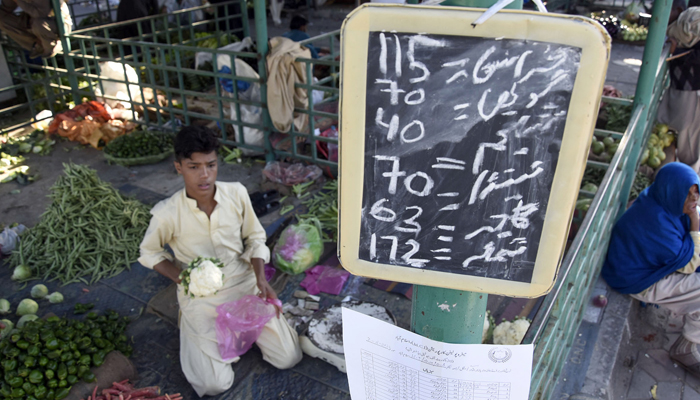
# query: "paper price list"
[[388, 380]]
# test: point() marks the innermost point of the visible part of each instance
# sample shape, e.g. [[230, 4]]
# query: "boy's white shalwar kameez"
[[234, 235]]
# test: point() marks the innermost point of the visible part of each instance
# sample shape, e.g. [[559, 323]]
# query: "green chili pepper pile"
[[89, 232], [139, 144], [46, 358], [323, 206]]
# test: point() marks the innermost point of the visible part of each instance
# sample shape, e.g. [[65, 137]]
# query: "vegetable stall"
[[69, 244]]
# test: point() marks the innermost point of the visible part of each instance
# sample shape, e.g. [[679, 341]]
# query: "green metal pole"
[[70, 67], [262, 46], [645, 85], [447, 315]]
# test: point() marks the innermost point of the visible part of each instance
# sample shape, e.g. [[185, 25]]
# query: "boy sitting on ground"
[[213, 219]]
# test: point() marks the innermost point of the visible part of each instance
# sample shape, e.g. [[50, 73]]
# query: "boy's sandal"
[[262, 209], [264, 197]]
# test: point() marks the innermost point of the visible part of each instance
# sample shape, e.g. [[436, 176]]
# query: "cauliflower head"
[[205, 279], [510, 333]]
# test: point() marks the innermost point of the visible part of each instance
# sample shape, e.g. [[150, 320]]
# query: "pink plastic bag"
[[239, 324], [324, 279]]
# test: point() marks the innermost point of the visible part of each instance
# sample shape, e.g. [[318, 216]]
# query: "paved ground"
[[621, 353]]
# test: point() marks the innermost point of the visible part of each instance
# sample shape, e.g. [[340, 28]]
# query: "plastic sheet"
[[9, 238], [325, 279], [299, 247], [291, 175], [239, 324]]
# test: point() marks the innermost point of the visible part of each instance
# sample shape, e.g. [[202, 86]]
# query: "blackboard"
[[462, 139]]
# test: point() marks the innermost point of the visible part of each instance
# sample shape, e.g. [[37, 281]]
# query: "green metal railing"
[[90, 13], [170, 91], [554, 327], [38, 84]]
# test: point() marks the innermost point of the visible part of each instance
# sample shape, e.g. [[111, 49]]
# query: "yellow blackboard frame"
[[582, 113]]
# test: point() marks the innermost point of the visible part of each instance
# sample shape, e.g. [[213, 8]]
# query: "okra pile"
[[89, 232], [139, 144], [45, 358], [324, 206]]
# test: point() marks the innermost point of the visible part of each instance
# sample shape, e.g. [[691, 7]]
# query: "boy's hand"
[[267, 292]]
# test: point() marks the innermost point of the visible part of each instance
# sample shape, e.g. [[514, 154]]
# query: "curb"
[[614, 330], [588, 372]]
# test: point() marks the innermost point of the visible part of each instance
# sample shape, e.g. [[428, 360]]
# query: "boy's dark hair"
[[194, 139], [297, 22]]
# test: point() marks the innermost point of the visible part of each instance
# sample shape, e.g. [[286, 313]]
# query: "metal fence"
[[38, 84], [554, 327], [173, 72]]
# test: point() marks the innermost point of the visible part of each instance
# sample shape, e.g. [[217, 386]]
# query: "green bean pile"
[[324, 206], [89, 232]]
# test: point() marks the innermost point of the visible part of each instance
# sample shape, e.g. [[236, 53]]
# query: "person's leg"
[[679, 110], [279, 344], [200, 358], [680, 293], [208, 376]]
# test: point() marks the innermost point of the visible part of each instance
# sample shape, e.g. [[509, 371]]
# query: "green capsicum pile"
[[46, 357]]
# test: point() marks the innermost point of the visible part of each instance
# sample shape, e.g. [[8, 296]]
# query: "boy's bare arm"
[[266, 291], [168, 269]]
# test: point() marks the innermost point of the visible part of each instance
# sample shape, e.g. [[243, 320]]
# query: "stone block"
[[640, 387], [669, 391], [690, 394]]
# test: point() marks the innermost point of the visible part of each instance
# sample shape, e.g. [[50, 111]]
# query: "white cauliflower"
[[510, 333], [203, 277]]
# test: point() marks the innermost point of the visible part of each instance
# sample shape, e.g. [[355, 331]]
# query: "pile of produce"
[[625, 29], [660, 138], [211, 41], [592, 178], [62, 99], [323, 206], [140, 143], [45, 358], [603, 150], [28, 308], [617, 117], [11, 168], [12, 151], [511, 333], [125, 390], [641, 182], [35, 143], [610, 22], [90, 231], [633, 32]]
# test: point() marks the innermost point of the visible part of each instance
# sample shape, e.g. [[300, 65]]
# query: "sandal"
[[264, 197], [687, 354], [262, 209]]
